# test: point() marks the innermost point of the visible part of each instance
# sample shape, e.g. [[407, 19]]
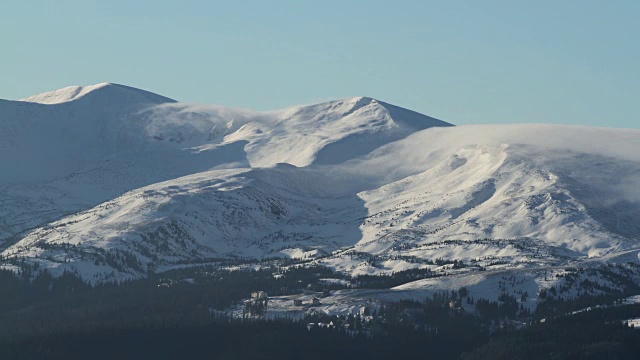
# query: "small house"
[[315, 301], [297, 302], [259, 295]]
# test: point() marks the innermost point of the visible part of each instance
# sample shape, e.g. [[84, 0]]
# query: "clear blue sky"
[[572, 62]]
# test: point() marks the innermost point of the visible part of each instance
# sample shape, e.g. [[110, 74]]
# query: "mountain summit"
[[108, 90], [84, 126]]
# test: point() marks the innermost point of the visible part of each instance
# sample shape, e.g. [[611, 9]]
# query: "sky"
[[465, 62]]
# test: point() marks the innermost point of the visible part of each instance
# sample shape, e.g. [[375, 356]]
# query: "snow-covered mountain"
[[71, 149], [114, 182]]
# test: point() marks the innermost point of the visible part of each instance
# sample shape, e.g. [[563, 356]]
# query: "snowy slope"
[[326, 133], [564, 185], [212, 214], [478, 204], [53, 139]]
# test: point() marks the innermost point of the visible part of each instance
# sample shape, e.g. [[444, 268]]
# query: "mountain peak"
[[74, 93], [65, 94], [362, 99], [405, 116]]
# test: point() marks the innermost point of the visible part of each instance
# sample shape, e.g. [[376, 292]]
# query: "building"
[[259, 295], [315, 301], [297, 302]]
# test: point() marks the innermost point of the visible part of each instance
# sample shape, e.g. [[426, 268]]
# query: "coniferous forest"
[[162, 317]]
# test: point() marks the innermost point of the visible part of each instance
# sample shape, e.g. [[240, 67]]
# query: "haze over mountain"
[[157, 184]]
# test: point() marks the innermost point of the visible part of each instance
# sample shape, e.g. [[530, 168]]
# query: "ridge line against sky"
[[570, 62]]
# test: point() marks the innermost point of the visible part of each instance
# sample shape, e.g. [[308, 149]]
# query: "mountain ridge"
[[96, 147]]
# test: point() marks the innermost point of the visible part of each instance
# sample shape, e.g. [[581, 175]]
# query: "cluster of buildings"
[[330, 325], [314, 302], [259, 299]]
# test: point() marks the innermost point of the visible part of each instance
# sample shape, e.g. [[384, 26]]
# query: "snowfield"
[[113, 182]]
